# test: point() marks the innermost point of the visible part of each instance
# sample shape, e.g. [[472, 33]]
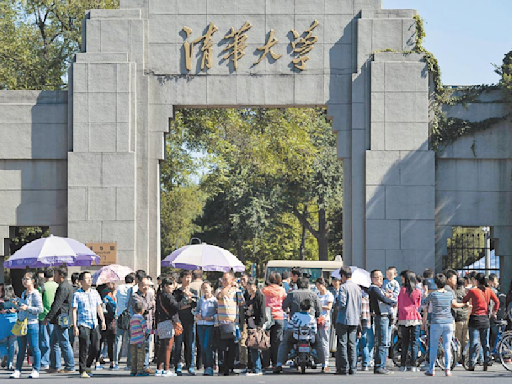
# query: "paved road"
[[497, 374]]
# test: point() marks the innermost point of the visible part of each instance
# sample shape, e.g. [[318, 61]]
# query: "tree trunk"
[[239, 250], [322, 238], [321, 235], [302, 249]]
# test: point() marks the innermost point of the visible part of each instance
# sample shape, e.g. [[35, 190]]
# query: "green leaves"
[[38, 39], [262, 165]]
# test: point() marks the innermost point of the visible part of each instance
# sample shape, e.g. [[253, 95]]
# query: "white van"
[[315, 269]]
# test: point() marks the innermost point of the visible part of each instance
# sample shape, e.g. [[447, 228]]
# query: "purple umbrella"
[[203, 256], [53, 250]]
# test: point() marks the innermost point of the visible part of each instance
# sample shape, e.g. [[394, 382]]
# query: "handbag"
[[19, 328], [178, 328], [227, 331], [258, 339]]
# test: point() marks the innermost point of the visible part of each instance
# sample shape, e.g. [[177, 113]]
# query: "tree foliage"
[[465, 247], [264, 166], [38, 39], [179, 208]]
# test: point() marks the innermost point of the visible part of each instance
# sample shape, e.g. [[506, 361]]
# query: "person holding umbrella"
[[228, 318], [59, 316], [29, 308]]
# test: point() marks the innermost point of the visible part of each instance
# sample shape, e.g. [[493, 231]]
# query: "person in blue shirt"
[[381, 307], [8, 317], [441, 322], [286, 280]]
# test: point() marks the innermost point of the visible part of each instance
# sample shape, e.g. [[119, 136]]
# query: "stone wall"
[[474, 180], [399, 167], [33, 161], [108, 140]]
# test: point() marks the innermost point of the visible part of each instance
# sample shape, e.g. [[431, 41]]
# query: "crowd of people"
[[183, 323]]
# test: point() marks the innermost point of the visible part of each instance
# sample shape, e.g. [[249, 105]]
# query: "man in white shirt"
[[123, 294]]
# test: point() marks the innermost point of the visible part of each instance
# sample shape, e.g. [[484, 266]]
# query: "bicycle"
[[502, 350], [397, 349], [454, 347]]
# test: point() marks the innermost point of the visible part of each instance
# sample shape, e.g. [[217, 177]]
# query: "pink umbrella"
[[110, 273]]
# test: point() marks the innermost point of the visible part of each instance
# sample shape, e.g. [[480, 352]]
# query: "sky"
[[465, 36]]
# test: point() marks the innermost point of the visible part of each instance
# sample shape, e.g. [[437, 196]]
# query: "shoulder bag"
[[258, 339], [178, 328], [20, 327], [227, 331]]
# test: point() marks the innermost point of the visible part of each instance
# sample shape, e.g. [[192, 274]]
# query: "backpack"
[[123, 321]]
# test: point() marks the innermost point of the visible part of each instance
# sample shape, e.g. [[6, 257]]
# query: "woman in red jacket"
[[479, 325], [409, 318]]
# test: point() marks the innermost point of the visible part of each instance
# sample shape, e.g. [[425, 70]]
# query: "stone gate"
[[86, 161]]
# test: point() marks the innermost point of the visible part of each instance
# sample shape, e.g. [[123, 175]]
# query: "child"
[[138, 334], [390, 284], [392, 288], [302, 319]]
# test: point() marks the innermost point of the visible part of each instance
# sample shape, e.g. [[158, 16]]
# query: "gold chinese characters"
[[238, 45], [206, 49], [266, 48], [301, 46]]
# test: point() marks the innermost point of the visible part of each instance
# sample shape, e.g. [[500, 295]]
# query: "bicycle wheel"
[[466, 357], [455, 354], [440, 356], [397, 353], [423, 350], [505, 352]]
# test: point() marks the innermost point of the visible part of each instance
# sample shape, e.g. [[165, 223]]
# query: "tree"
[[323, 188], [466, 246], [38, 39], [179, 208], [505, 71], [265, 163]]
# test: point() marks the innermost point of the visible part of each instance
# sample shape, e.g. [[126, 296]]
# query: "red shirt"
[[480, 301], [408, 305]]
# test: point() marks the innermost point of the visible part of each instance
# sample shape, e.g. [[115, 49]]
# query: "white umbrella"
[[53, 250], [203, 256], [359, 276]]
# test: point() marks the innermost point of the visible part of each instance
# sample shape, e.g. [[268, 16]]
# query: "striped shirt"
[[228, 307], [441, 307], [366, 319], [138, 329]]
